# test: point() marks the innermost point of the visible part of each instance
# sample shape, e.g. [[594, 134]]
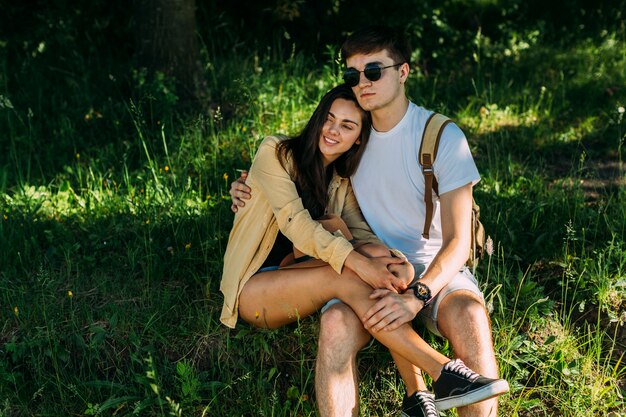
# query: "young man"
[[377, 59]]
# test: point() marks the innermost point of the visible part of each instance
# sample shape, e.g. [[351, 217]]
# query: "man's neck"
[[386, 118]]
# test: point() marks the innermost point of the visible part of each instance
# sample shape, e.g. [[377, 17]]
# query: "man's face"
[[375, 95]]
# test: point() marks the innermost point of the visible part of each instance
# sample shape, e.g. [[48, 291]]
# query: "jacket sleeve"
[[352, 216], [294, 221]]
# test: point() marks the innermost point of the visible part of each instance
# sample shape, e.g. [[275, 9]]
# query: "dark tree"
[[167, 42]]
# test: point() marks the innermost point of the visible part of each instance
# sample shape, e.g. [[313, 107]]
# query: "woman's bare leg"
[[411, 375], [274, 298]]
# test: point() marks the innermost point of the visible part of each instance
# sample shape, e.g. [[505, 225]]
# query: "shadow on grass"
[[101, 309]]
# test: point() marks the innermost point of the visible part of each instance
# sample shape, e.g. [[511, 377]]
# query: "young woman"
[[294, 181]]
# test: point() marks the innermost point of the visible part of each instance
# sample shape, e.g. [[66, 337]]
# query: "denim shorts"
[[268, 268], [463, 280]]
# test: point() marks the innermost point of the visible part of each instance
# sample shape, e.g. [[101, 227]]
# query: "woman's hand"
[[375, 271], [405, 271]]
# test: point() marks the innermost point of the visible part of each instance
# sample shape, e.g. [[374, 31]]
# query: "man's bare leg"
[[471, 340], [341, 337]]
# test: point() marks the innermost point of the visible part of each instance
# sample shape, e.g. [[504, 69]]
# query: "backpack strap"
[[427, 153]]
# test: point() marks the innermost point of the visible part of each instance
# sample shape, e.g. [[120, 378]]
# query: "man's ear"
[[405, 69]]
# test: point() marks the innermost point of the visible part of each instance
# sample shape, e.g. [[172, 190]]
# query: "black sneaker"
[[458, 386], [420, 404]]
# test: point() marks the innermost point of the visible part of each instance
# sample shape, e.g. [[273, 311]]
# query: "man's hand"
[[391, 310], [239, 191]]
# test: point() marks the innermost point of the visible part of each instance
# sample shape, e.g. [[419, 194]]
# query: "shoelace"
[[460, 368], [427, 403]]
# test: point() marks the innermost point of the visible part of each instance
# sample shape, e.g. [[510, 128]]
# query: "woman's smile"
[[341, 130]]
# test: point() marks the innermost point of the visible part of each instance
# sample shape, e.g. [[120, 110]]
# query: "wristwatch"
[[422, 292]]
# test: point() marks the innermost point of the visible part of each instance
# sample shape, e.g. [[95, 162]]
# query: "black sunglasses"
[[372, 72]]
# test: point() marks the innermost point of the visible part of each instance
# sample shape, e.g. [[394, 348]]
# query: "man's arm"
[[393, 310], [456, 217], [239, 192]]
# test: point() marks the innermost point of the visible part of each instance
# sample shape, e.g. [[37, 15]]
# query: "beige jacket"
[[275, 205]]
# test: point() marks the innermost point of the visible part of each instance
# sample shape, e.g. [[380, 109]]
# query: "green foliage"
[[114, 214]]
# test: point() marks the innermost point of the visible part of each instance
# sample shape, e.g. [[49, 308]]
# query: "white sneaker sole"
[[403, 414], [498, 387]]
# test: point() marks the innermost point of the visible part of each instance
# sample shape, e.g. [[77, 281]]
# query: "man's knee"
[[462, 303], [341, 334], [462, 310]]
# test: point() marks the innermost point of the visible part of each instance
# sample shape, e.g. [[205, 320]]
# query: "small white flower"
[[620, 109], [489, 246]]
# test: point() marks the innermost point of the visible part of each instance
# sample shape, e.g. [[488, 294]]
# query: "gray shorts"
[[463, 280]]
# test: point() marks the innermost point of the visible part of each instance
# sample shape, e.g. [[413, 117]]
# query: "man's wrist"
[[422, 292], [414, 305]]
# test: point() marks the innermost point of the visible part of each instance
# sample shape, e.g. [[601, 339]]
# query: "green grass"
[[111, 239]]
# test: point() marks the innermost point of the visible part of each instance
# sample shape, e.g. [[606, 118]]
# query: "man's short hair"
[[374, 39]]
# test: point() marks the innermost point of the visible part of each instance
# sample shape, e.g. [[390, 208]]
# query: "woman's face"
[[341, 130]]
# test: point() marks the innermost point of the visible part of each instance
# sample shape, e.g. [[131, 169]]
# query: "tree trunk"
[[167, 42]]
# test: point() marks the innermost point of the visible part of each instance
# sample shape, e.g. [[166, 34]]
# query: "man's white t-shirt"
[[389, 184]]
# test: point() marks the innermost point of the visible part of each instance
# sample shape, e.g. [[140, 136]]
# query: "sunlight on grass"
[[115, 215], [490, 118]]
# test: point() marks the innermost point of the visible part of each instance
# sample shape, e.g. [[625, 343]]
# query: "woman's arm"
[[269, 177]]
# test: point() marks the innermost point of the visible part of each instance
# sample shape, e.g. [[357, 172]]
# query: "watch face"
[[422, 292]]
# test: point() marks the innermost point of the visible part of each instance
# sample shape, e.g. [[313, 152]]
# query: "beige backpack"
[[427, 153]]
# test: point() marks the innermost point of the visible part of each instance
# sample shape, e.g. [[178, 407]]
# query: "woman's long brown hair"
[[308, 169]]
